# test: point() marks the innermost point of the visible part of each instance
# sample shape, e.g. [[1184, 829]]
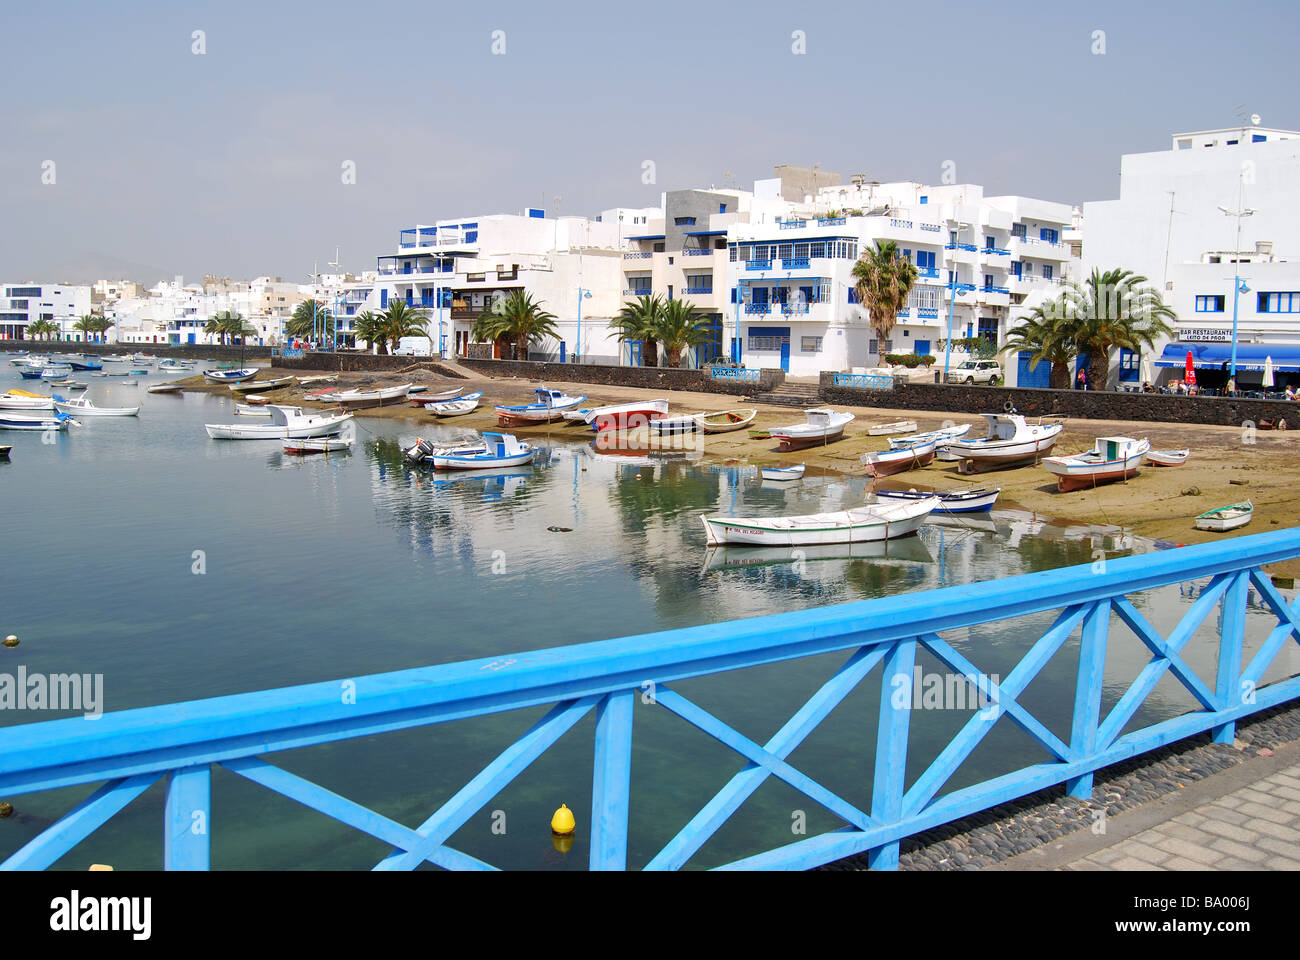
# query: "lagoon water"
[[181, 567]]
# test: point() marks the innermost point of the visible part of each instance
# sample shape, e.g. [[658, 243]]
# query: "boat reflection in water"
[[495, 484], [903, 550]]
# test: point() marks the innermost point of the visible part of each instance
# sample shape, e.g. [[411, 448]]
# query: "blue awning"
[[648, 236], [706, 233], [1213, 356]]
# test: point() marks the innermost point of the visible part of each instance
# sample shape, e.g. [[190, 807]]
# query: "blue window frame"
[[925, 259], [683, 221], [1279, 303], [988, 243], [1047, 234], [1016, 268], [722, 208], [1209, 304], [925, 199], [1047, 271], [989, 329], [639, 285], [1018, 231], [1258, 137]]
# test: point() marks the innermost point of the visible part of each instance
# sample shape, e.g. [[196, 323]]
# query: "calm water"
[[318, 569]]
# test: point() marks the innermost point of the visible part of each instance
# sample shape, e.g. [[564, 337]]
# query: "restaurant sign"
[[1204, 335]]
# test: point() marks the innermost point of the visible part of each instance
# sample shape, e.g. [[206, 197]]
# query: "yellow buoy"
[[562, 823], [101, 866], [11, 641]]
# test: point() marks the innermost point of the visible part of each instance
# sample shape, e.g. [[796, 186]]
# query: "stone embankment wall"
[[184, 351], [650, 378]]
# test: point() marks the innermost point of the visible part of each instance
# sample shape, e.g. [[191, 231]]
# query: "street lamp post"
[[577, 347], [1242, 211]]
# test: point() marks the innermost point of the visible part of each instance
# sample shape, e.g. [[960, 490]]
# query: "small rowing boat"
[[889, 462], [455, 408], [257, 386], [1226, 518], [978, 500], [238, 375], [874, 521], [897, 426], [726, 420], [1167, 458], [821, 426], [305, 445], [782, 473], [1110, 459], [501, 450]]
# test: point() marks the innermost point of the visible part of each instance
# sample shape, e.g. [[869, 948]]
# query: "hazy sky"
[[231, 162]]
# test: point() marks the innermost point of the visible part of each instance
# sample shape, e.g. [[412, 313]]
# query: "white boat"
[[419, 396], [1226, 518], [249, 410], [360, 399], [422, 451], [304, 381], [874, 521], [549, 405], [626, 416], [1010, 440], [56, 373], [576, 416], [231, 376], [318, 445], [821, 426], [782, 473], [897, 460], [978, 500], [502, 450], [1168, 458], [22, 400], [83, 407], [941, 437], [455, 408], [674, 426], [725, 421], [255, 386], [166, 388], [1111, 458], [19, 421], [885, 429], [286, 422]]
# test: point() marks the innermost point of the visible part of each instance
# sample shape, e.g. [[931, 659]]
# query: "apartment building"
[[1176, 222], [24, 303]]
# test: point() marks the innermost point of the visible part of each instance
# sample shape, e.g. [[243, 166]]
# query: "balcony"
[[927, 314], [1039, 249], [997, 252], [637, 292], [832, 221], [794, 263], [795, 309], [754, 265], [638, 255], [928, 273], [762, 309], [698, 291], [793, 224], [696, 252]]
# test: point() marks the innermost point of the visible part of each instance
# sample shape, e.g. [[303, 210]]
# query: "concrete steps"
[[800, 395]]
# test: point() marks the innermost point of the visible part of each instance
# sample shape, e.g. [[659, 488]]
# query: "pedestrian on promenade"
[[1081, 381]]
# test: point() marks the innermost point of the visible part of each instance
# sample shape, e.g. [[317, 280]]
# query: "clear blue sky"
[[230, 162]]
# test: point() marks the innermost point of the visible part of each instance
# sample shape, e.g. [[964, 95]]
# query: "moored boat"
[[674, 426], [1231, 517], [252, 410], [363, 399], [549, 405], [422, 451], [1110, 459], [501, 450], [19, 421], [84, 407], [782, 473], [1167, 458], [822, 426], [286, 423], [22, 400], [978, 500], [455, 408], [1010, 440], [889, 462], [238, 375], [166, 388], [626, 416], [941, 437], [873, 521], [257, 386], [419, 397], [305, 445], [897, 426], [725, 421]]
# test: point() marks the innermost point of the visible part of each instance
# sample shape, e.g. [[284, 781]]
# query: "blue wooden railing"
[[129, 751], [864, 381], [735, 373]]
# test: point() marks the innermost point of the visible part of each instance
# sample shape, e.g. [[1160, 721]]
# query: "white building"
[[25, 303], [1169, 225], [792, 297]]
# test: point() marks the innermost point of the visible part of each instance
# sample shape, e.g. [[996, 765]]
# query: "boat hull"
[[231, 376], [790, 442], [980, 502], [726, 421], [481, 462], [863, 525], [1167, 458], [1083, 480], [898, 461], [627, 416], [997, 454]]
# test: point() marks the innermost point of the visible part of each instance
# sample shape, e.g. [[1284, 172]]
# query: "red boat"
[[626, 416]]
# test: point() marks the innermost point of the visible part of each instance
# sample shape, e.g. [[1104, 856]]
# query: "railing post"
[[611, 782], [1232, 633], [1087, 693], [889, 781], [185, 845]]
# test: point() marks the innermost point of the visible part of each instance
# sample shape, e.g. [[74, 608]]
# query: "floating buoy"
[[6, 809], [11, 641], [96, 867], [562, 824], [560, 529]]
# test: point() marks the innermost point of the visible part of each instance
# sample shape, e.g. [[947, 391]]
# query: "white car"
[[976, 371]]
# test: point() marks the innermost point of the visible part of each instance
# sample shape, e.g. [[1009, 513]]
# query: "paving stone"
[[1237, 850], [1186, 849], [1178, 863], [1232, 863], [1107, 856], [1183, 832], [1219, 814], [1284, 793], [1264, 811], [1135, 847], [1274, 845], [1131, 864], [1230, 830], [1250, 795], [1086, 865], [1274, 830], [1230, 802], [1190, 819], [1282, 863]]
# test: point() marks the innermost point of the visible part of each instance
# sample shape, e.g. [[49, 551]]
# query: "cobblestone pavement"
[[1253, 828]]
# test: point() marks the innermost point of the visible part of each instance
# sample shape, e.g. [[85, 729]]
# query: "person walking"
[[1081, 381]]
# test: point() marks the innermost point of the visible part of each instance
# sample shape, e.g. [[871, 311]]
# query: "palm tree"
[[402, 320], [883, 281], [87, 326], [42, 328], [369, 327], [228, 323], [680, 326], [1115, 309], [639, 320], [102, 326], [517, 317], [310, 317], [1047, 335]]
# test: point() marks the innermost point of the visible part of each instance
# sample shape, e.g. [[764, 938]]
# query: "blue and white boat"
[[56, 372], [502, 450], [30, 374], [56, 421], [978, 500], [455, 408], [549, 405], [231, 376], [782, 473]]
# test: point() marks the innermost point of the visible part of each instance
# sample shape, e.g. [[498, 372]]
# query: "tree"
[[402, 320], [303, 324], [1114, 309], [883, 281], [517, 317], [103, 325], [369, 327], [639, 320], [230, 324], [42, 328], [680, 326], [87, 326], [1048, 336]]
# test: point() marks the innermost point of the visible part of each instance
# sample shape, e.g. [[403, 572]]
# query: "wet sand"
[[1226, 465]]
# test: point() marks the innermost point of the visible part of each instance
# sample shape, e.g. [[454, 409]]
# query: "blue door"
[[191, 338], [785, 355], [921, 348], [562, 346], [1040, 376], [634, 353]]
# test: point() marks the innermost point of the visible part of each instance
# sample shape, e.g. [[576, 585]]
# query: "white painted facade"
[[1168, 225], [24, 303]]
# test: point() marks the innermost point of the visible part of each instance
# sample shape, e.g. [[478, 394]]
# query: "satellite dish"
[[1254, 118]]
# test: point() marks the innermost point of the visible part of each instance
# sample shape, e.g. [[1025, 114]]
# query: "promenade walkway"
[[1243, 818]]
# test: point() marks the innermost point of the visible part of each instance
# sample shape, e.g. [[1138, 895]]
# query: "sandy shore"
[[1225, 466]]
